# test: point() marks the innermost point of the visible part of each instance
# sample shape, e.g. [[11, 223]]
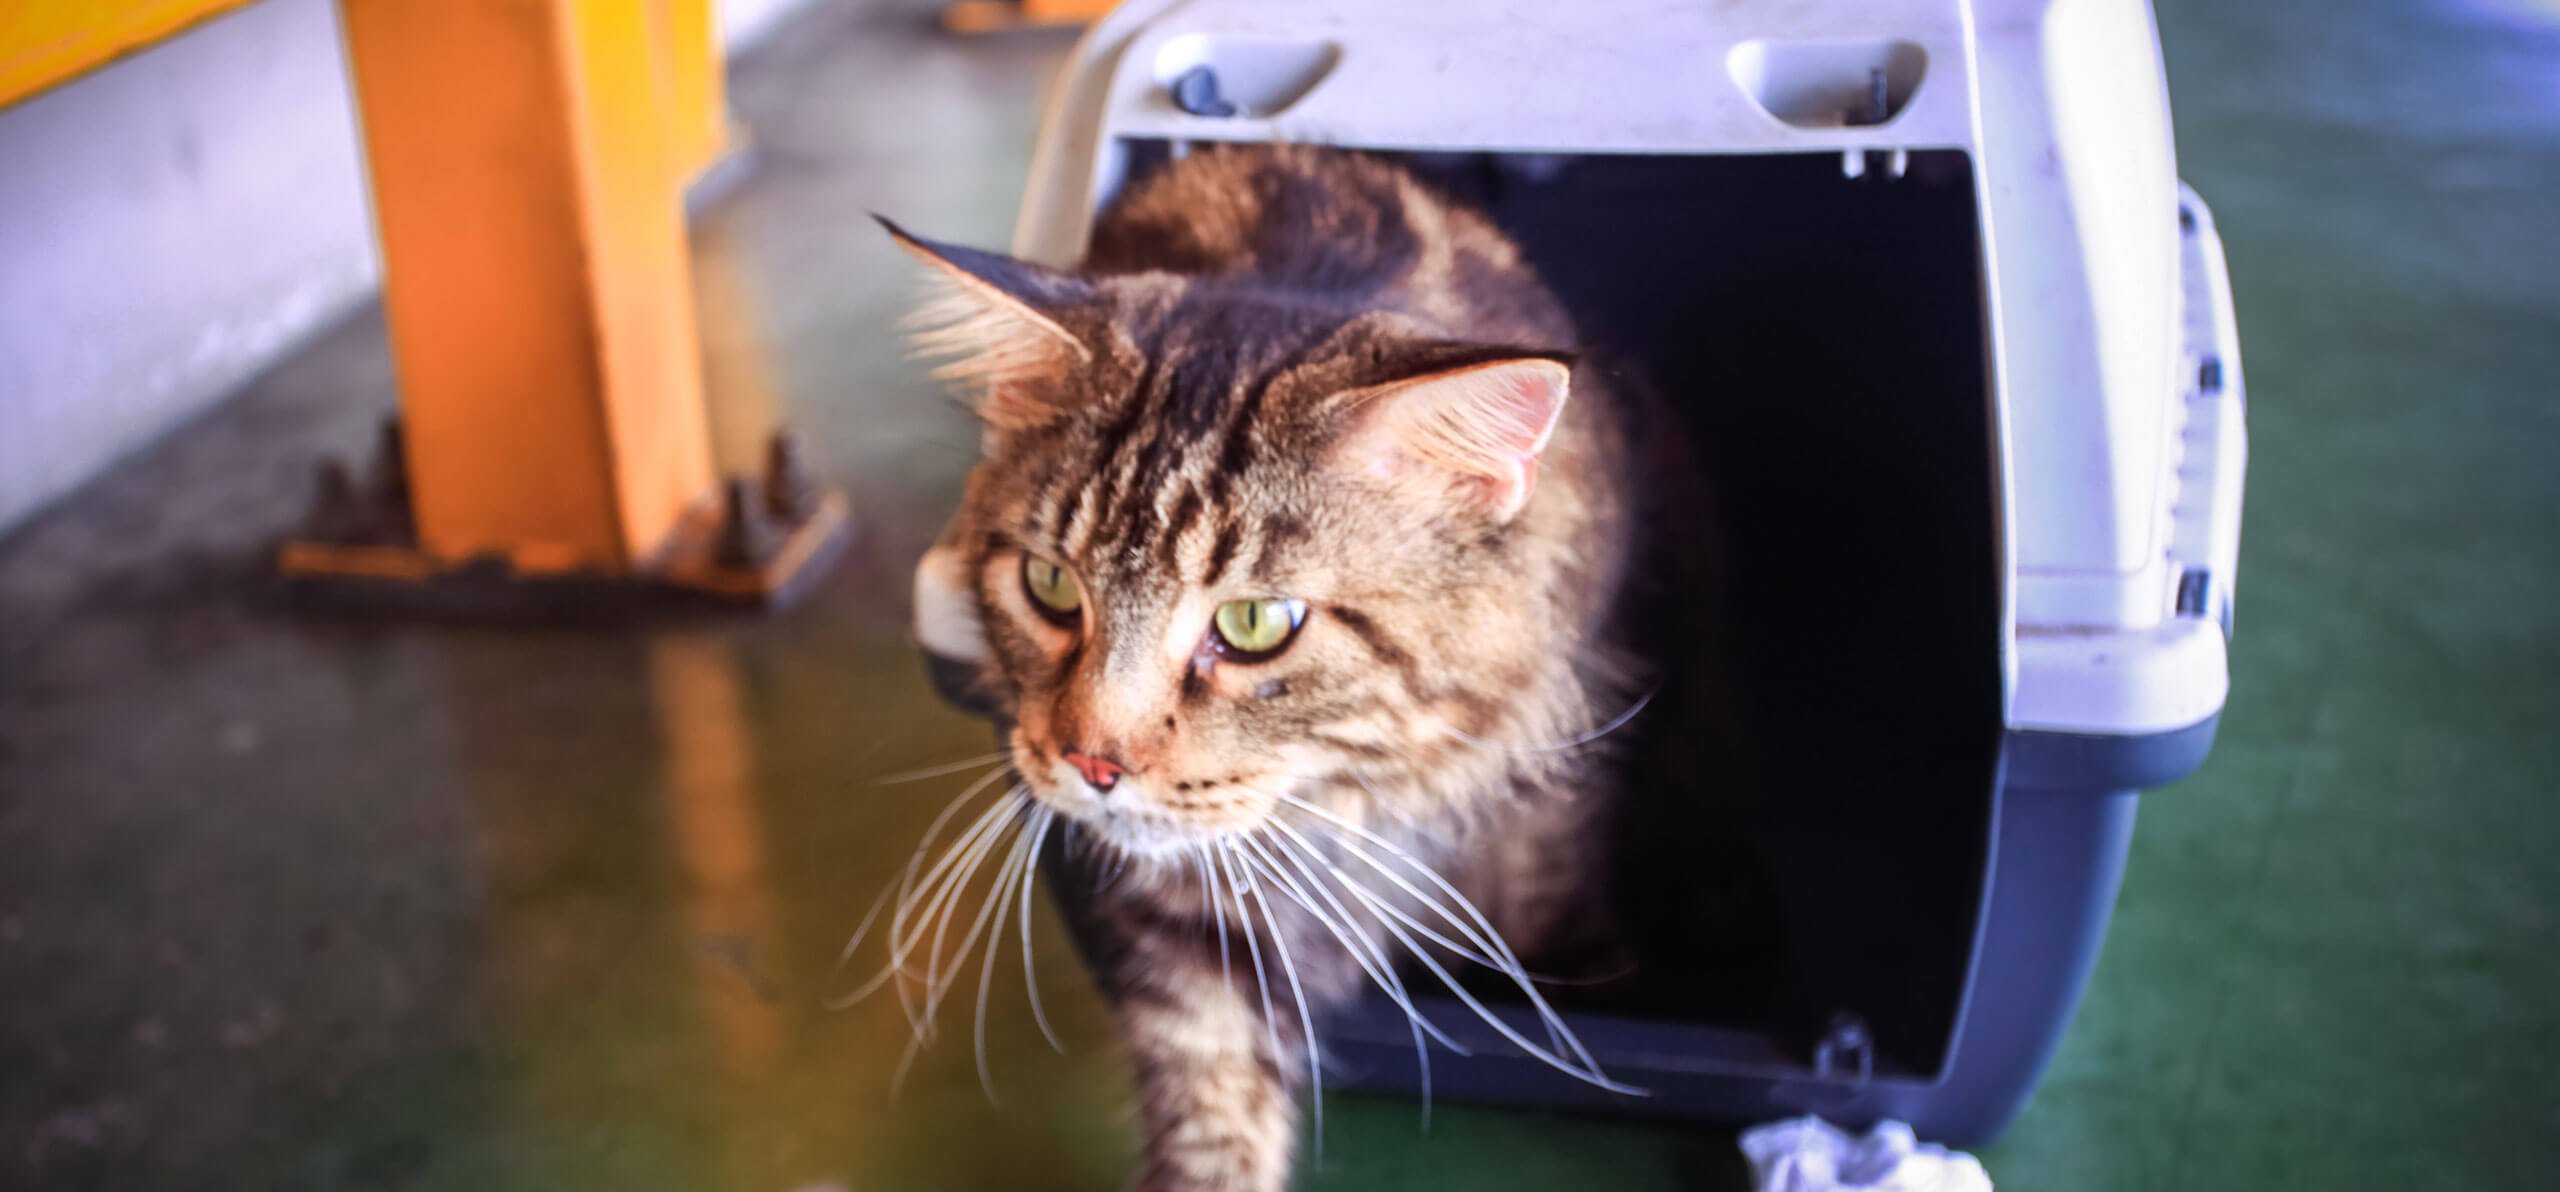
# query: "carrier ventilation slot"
[[1256, 78], [1829, 84]]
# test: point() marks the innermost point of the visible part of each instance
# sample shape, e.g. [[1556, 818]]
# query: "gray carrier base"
[[2061, 816]]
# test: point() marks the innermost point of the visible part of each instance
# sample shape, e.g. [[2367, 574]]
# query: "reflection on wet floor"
[[302, 903], [716, 827]]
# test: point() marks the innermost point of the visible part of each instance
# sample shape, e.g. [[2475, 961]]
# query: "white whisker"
[[906, 1063], [1489, 939], [1043, 820], [1217, 915], [1459, 950], [1590, 1074], [906, 881], [908, 878], [1382, 972], [1574, 742], [1235, 885], [999, 899], [900, 945], [955, 865], [916, 906], [1467, 952], [986, 759], [1341, 923], [936, 918], [1306, 1018], [937, 984], [864, 928], [1487, 943]]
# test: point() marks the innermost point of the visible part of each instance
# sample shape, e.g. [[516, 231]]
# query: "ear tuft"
[[993, 323], [1474, 430]]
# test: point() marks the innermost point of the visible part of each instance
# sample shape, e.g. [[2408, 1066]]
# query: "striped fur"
[[1284, 372]]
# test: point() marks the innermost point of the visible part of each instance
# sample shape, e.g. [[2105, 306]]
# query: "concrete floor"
[[291, 903]]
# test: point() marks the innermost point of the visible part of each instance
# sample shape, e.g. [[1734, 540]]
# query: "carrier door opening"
[[1823, 340], [1820, 342]]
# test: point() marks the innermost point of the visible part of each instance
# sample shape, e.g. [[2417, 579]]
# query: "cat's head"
[[1225, 545]]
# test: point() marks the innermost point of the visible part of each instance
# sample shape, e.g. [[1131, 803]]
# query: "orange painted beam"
[[694, 75], [991, 16], [44, 42], [1058, 12], [528, 162]]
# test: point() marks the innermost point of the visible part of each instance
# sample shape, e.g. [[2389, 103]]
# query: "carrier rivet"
[[1196, 91]]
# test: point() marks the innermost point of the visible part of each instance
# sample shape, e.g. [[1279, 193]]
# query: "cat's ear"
[[995, 325], [1466, 425]]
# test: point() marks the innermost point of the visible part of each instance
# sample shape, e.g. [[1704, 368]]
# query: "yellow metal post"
[[694, 76], [529, 202], [529, 161]]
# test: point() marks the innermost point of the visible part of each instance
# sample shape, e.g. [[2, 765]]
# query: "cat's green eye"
[[1255, 629], [1053, 589]]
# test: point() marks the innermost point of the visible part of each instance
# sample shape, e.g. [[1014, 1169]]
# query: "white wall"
[[167, 225], [172, 222], [743, 23]]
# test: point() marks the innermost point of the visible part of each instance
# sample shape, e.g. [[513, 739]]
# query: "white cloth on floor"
[[1808, 1154]]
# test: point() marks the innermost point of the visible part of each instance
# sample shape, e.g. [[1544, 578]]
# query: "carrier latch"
[[1847, 1051]]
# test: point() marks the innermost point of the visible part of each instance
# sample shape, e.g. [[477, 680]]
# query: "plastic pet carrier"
[[1957, 351]]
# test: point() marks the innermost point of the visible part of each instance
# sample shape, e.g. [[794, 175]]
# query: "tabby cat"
[[1291, 572]]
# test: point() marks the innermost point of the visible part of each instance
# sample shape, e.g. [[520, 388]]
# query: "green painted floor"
[[288, 903]]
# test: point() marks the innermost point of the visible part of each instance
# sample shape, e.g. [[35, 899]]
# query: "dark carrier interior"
[[1823, 340]]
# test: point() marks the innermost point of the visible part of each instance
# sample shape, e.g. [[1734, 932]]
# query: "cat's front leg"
[[1214, 1095]]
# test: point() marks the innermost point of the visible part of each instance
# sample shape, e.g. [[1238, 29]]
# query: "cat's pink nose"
[[1102, 772]]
